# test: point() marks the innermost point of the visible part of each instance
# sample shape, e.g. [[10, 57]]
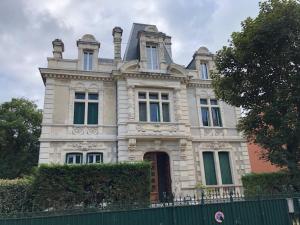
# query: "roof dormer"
[[88, 50], [150, 47]]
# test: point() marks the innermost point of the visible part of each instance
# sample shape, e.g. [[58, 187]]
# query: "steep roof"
[[132, 51]]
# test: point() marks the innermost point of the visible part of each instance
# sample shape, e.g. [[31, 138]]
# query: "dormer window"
[[204, 71], [152, 57], [87, 60]]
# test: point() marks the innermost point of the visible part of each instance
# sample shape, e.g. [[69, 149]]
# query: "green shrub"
[[15, 195], [65, 186], [267, 183]]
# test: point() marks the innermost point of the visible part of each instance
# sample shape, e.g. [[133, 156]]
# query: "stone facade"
[[119, 134]]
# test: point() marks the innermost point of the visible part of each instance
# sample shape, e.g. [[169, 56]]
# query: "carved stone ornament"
[[156, 128], [84, 130], [215, 145], [131, 144], [84, 146]]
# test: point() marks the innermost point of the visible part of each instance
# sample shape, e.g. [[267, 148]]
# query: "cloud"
[[27, 28]]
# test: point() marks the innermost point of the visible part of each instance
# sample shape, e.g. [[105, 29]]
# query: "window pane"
[[166, 112], [90, 61], [78, 159], [142, 111], [90, 158], [98, 159], [142, 95], [149, 57], [164, 96], [225, 168], [209, 168], [205, 116], [85, 60], [93, 96], [79, 113], [92, 113], [154, 112], [214, 102], [79, 95], [203, 101], [204, 71], [70, 159], [154, 58], [153, 95], [216, 117]]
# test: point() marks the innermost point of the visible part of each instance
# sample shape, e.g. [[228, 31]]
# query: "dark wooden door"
[[152, 157]]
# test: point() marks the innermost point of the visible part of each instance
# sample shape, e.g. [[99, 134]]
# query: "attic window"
[[204, 71], [87, 60], [152, 57]]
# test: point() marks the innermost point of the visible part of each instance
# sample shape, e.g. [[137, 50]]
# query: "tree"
[[20, 129], [260, 72]]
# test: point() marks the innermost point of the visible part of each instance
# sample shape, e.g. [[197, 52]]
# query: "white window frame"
[[74, 155], [86, 102], [89, 65], [201, 75], [151, 61], [94, 157], [217, 167], [159, 100], [84, 156], [209, 106]]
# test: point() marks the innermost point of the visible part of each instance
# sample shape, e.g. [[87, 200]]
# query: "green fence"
[[244, 212]]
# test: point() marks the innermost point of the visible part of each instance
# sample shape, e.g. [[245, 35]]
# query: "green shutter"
[[92, 113], [209, 168], [79, 113], [225, 168]]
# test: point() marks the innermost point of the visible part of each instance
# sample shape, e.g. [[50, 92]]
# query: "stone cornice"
[[150, 75], [199, 83], [74, 74]]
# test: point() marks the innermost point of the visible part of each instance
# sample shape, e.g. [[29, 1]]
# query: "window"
[[74, 158], [86, 108], [210, 168], [154, 107], [204, 71], [94, 158], [152, 57], [210, 112], [87, 60]]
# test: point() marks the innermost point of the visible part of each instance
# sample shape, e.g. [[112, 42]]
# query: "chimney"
[[58, 48], [117, 34]]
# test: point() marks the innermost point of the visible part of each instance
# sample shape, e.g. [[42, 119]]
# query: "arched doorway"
[[160, 175]]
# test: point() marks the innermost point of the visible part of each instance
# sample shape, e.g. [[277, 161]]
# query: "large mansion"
[[142, 106]]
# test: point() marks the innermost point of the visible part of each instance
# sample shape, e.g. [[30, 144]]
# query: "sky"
[[27, 28]]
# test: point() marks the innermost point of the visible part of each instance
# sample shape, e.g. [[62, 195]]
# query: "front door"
[[160, 175]]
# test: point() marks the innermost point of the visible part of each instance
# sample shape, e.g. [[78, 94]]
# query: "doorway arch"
[[160, 175]]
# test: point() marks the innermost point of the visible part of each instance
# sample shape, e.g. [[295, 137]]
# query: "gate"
[[243, 212]]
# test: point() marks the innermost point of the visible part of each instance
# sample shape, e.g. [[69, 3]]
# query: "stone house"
[[143, 106]]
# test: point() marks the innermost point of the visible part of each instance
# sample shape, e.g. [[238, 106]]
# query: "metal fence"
[[229, 209]]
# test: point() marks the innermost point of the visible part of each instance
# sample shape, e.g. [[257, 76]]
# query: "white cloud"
[[27, 28]]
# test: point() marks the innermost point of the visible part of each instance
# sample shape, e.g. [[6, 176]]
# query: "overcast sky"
[[27, 28]]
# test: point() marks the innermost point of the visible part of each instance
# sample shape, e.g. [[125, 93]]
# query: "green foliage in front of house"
[[269, 183], [69, 186], [15, 195]]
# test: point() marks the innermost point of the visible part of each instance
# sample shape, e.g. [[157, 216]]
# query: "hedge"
[[68, 186], [269, 183], [15, 195]]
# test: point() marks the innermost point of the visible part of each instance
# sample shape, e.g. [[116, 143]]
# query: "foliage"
[[259, 72], [15, 195], [268, 183], [20, 128], [63, 186]]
